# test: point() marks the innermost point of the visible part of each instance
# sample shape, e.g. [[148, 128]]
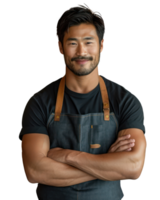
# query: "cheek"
[[70, 52], [93, 50]]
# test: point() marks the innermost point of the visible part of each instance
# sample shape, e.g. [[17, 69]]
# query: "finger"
[[124, 137], [125, 147], [119, 139], [123, 142], [119, 142]]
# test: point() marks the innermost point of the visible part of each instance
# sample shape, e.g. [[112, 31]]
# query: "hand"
[[122, 144], [58, 154]]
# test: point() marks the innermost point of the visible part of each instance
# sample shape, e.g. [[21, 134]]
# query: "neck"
[[82, 84]]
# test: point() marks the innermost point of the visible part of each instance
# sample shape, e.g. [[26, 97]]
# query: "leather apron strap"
[[60, 97]]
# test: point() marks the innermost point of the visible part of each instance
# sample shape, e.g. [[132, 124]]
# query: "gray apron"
[[92, 133]]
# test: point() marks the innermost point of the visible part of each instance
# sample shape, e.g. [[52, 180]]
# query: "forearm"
[[51, 172], [109, 166]]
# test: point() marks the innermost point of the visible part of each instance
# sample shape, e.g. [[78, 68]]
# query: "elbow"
[[31, 178], [137, 170], [136, 176], [28, 178], [130, 172], [30, 174]]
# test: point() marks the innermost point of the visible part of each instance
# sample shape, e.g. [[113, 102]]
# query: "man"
[[75, 135]]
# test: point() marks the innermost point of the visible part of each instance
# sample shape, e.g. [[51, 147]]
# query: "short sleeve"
[[131, 113], [33, 120]]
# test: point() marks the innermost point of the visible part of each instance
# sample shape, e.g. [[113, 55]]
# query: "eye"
[[75, 43], [89, 42]]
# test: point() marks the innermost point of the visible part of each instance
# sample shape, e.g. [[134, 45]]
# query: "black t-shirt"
[[125, 105]]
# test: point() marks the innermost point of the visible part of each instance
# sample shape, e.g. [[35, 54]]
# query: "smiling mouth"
[[81, 61]]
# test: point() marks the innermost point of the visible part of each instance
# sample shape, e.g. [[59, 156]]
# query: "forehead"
[[81, 31]]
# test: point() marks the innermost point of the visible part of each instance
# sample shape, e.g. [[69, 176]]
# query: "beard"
[[83, 71]]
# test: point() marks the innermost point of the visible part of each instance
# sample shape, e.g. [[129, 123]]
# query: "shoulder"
[[42, 102], [125, 105], [118, 95], [48, 92], [115, 88]]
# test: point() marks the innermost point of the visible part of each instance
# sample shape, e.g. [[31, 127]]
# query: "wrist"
[[67, 155], [72, 157]]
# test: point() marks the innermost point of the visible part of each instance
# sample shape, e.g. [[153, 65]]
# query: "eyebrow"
[[86, 38]]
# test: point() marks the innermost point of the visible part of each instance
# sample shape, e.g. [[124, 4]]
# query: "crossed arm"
[[69, 167], [116, 165]]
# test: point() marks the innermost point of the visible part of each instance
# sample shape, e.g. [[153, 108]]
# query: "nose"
[[81, 52]]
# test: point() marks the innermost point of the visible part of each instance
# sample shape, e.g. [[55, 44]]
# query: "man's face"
[[81, 43]]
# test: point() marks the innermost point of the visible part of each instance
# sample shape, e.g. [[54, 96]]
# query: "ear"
[[60, 47], [103, 45]]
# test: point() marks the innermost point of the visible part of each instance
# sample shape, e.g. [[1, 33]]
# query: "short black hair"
[[77, 15]]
